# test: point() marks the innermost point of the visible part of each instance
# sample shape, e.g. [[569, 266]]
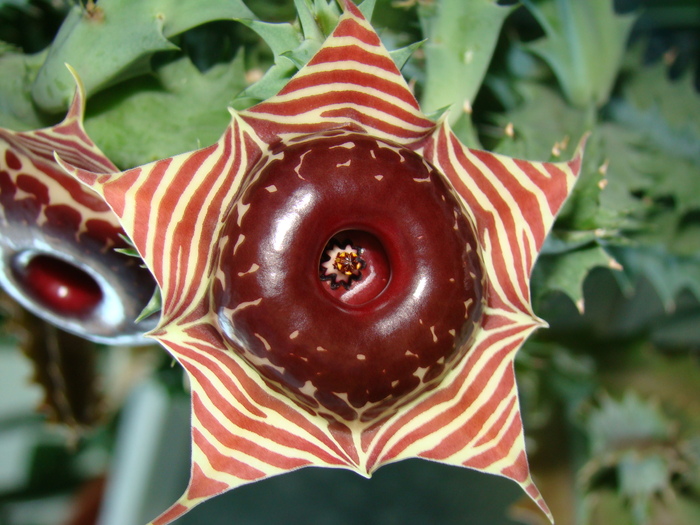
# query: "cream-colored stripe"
[[202, 461], [515, 209], [352, 67], [471, 450], [433, 439], [240, 454], [273, 418], [426, 416], [316, 114], [502, 234]]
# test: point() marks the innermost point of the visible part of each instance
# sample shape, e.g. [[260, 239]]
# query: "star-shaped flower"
[[415, 357]]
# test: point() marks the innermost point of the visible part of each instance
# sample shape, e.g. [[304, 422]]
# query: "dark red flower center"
[[400, 288]]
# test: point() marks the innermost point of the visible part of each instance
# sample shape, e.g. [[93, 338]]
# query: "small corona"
[[341, 264]]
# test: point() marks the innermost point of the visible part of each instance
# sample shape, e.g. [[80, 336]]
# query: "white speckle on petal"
[[297, 169], [294, 334], [467, 304], [271, 188], [264, 341], [242, 209], [420, 373], [346, 145], [432, 331], [254, 268], [244, 304], [239, 241]]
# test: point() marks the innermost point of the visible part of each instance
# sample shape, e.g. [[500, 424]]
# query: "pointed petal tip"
[[348, 5], [573, 166], [536, 497], [76, 111], [541, 323], [578, 153]]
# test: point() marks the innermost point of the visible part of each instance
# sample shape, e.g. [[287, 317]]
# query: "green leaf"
[[665, 111], [281, 37], [669, 274], [622, 424], [17, 112], [584, 45], [308, 20], [543, 123], [640, 478], [461, 40], [665, 115], [367, 8], [155, 305], [692, 454], [115, 39], [401, 55], [606, 507], [292, 47], [177, 110], [269, 85], [565, 272]]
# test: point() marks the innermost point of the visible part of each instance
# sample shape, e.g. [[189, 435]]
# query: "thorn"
[[602, 183], [467, 107], [614, 265], [468, 56], [580, 306], [603, 169], [253, 75], [404, 3], [670, 56], [560, 146], [94, 12], [509, 131]]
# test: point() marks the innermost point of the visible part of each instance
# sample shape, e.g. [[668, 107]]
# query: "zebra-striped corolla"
[[344, 282]]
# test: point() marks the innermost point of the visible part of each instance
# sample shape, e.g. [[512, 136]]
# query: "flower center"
[[341, 264], [354, 267], [61, 286], [349, 263], [350, 275]]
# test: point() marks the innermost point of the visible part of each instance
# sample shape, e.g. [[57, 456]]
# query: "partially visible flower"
[[414, 358], [57, 239]]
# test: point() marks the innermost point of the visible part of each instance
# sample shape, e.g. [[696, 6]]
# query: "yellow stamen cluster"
[[348, 263]]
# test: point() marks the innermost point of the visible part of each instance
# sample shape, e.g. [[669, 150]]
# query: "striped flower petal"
[[413, 359]]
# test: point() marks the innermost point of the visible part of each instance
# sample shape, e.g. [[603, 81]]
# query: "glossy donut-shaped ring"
[[349, 274]]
